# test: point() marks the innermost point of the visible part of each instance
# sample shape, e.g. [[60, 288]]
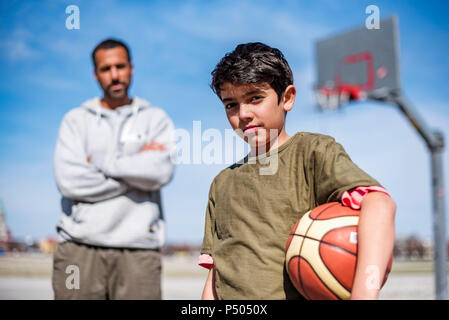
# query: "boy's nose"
[[245, 112]]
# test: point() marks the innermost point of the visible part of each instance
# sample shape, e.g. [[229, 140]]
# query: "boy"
[[249, 214]]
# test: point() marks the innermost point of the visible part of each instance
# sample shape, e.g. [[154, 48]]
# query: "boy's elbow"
[[389, 203], [393, 205], [391, 208], [381, 200]]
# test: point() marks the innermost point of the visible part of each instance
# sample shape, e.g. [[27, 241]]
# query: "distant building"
[[181, 249], [48, 245], [5, 234], [413, 248]]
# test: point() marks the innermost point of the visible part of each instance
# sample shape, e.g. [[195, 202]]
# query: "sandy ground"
[[28, 277]]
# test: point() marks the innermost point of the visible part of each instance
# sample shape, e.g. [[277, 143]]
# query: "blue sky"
[[175, 44]]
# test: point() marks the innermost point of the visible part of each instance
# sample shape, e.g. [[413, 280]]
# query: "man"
[[112, 157]]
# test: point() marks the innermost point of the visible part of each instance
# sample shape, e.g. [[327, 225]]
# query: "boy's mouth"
[[250, 129]]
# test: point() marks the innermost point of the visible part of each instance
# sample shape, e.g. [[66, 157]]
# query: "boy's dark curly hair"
[[253, 63]]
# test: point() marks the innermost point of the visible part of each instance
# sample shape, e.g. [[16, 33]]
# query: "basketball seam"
[[321, 257], [300, 278], [299, 253], [335, 277], [335, 204], [332, 245], [302, 244], [316, 274], [321, 241]]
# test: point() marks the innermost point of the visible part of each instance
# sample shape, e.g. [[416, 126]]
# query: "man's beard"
[[116, 94]]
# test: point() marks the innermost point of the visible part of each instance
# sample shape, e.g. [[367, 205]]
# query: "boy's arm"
[[206, 259], [375, 244], [209, 287]]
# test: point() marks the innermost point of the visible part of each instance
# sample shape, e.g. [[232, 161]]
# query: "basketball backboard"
[[358, 63]]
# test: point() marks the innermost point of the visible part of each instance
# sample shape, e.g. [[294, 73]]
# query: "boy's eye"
[[230, 105], [255, 98]]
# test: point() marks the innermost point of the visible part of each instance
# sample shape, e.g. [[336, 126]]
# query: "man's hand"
[[152, 146]]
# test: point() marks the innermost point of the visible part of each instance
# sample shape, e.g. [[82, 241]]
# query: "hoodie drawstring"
[[134, 114], [98, 118]]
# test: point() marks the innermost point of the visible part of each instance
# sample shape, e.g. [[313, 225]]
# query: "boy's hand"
[[209, 287], [152, 146]]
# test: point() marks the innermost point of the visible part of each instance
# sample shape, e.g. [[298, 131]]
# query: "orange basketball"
[[321, 252]]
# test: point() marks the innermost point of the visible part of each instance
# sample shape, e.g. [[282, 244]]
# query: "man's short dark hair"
[[253, 63], [109, 44]]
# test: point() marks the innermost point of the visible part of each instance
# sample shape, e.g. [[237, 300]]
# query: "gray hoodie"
[[114, 200]]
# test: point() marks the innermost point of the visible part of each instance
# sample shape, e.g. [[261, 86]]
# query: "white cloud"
[[46, 78], [17, 46], [245, 21]]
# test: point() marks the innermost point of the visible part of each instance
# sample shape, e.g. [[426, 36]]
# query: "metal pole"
[[439, 223], [435, 143]]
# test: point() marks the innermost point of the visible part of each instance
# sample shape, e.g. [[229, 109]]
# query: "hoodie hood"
[[94, 106]]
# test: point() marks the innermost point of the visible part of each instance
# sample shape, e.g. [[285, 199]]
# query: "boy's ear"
[[288, 98]]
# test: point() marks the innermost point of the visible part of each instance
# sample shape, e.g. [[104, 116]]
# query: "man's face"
[[254, 113], [113, 72]]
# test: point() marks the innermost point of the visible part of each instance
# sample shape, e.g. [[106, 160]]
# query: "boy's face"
[[255, 114]]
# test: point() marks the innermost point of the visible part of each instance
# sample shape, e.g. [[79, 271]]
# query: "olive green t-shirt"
[[250, 213]]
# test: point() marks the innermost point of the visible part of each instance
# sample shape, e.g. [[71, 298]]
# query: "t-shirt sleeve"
[[209, 225], [353, 198], [335, 172]]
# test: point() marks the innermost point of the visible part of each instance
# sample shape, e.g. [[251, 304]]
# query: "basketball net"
[[331, 98]]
